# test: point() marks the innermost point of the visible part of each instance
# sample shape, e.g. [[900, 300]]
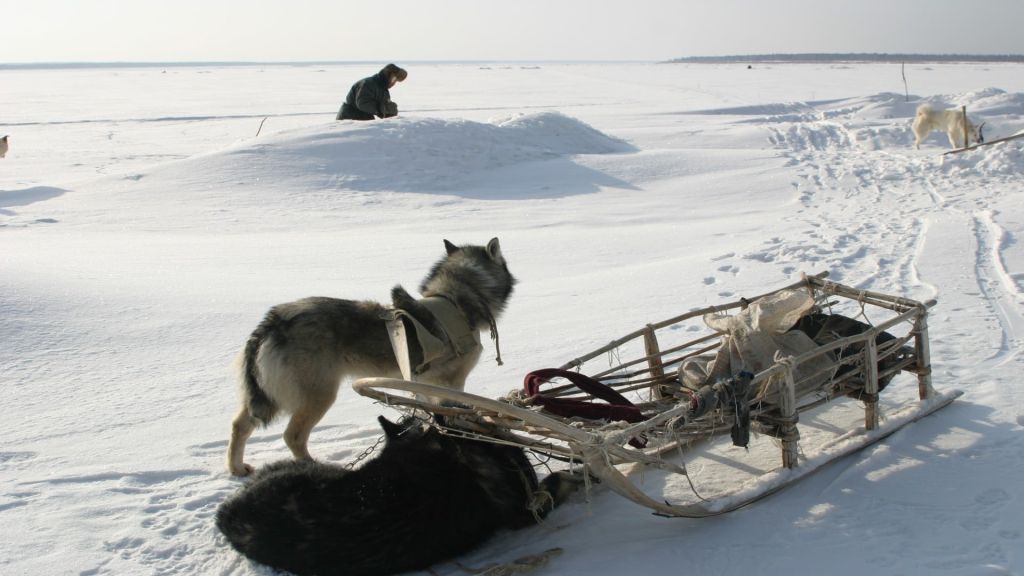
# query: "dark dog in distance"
[[426, 498]]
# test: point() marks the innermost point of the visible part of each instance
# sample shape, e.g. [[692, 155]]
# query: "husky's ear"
[[391, 430], [494, 249], [450, 248]]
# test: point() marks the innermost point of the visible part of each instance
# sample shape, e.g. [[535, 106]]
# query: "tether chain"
[[366, 453]]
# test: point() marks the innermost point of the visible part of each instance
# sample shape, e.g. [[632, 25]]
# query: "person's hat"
[[399, 73]]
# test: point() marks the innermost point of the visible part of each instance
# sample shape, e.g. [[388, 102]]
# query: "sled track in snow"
[[997, 286], [895, 193]]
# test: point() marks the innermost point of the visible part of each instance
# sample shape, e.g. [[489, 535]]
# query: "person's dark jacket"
[[368, 98]]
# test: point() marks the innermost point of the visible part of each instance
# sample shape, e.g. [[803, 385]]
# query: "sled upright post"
[[870, 384], [923, 352], [653, 353], [789, 417]]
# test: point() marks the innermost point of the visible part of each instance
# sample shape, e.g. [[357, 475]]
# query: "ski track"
[[997, 286]]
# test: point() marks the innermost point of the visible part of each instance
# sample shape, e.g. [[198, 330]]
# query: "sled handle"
[[372, 388]]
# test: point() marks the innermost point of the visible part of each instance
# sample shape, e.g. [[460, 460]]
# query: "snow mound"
[[811, 136], [1005, 159], [883, 106], [987, 101], [401, 154], [556, 133], [772, 109], [995, 102]]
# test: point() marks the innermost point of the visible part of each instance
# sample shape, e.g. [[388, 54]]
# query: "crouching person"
[[370, 97]]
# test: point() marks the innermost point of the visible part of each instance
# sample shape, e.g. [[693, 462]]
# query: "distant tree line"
[[847, 57]]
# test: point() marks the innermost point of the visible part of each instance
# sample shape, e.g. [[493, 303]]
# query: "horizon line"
[[127, 63], [780, 56]]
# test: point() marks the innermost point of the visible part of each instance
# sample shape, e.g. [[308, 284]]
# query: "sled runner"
[[671, 387]]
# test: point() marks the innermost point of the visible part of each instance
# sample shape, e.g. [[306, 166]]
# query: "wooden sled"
[[671, 422]]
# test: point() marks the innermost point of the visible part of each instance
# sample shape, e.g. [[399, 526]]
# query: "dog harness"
[[458, 336]]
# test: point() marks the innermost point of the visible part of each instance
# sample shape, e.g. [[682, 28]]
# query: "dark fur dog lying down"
[[427, 497]]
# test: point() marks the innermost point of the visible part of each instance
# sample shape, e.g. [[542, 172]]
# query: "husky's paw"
[[240, 470]]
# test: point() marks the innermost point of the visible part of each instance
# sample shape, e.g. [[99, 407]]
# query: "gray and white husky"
[[297, 357]]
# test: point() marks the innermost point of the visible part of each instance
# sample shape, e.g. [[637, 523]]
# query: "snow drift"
[[400, 154]]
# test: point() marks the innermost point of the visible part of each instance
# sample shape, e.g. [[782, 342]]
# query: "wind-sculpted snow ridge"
[[403, 154], [16, 198]]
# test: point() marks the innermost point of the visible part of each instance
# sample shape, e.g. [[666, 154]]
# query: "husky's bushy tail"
[[260, 406]]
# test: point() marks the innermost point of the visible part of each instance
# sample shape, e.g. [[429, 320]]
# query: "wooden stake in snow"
[[967, 142], [906, 91]]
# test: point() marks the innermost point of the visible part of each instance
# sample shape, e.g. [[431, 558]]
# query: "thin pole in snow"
[[966, 142], [906, 91]]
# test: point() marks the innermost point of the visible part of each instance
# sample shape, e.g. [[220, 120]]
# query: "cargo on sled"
[[771, 368]]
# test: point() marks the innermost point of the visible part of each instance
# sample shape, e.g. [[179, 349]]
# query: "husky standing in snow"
[[949, 121], [427, 497], [299, 354]]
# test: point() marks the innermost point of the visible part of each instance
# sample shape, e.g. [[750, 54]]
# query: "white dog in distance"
[[949, 121]]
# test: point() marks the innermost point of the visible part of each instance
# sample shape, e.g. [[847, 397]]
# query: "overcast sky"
[[408, 30]]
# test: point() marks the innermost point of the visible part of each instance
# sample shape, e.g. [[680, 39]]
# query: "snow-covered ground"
[[145, 228]]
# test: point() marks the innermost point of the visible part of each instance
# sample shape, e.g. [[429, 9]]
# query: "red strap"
[[617, 408]]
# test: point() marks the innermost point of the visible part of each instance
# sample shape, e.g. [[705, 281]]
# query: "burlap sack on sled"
[[757, 337]]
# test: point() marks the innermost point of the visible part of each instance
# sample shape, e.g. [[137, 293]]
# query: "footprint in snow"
[[8, 457], [992, 496]]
